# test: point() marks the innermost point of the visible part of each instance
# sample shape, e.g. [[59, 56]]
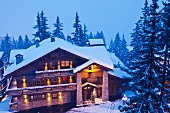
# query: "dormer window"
[[19, 58]]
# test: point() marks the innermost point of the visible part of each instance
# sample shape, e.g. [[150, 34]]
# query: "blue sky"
[[17, 17]]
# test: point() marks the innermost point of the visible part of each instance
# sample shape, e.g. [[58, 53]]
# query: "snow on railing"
[[56, 70], [40, 87]]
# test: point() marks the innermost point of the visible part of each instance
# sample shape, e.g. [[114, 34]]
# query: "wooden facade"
[[51, 80]]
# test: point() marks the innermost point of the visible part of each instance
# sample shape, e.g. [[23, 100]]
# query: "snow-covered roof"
[[96, 41], [119, 73], [1, 54], [97, 54], [116, 60], [12, 58]]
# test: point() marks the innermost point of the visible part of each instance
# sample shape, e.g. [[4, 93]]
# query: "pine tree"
[[85, 30], [164, 56], [38, 27], [45, 33], [77, 39], [41, 27], [91, 35], [103, 37], [27, 42], [117, 43], [58, 29], [98, 36], [20, 42], [2, 44], [14, 44], [123, 50], [7, 48], [111, 46], [146, 74]]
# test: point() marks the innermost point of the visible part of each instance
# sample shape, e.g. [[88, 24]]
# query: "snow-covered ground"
[[107, 107], [4, 105]]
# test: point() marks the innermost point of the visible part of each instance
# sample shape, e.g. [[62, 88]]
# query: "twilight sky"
[[17, 17]]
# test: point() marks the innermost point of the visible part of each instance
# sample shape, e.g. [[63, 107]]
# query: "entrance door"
[[89, 92]]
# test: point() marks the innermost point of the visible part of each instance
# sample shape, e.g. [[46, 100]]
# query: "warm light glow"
[[67, 63], [49, 98], [71, 79], [46, 66], [24, 79], [48, 81], [25, 99], [60, 96], [24, 85], [71, 64], [58, 64], [59, 80], [94, 92]]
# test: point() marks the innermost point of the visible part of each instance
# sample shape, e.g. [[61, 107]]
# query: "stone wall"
[[105, 93], [63, 97], [79, 89]]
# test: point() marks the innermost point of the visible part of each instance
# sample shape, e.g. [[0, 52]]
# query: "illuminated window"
[[63, 63], [58, 64], [51, 65], [71, 64], [43, 96], [46, 66], [32, 97], [55, 95], [67, 63]]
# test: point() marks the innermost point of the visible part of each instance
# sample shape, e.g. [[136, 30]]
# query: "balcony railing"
[[42, 89], [53, 73]]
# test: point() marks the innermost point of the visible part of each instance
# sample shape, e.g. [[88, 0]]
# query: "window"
[[32, 97], [63, 63], [43, 96], [37, 97], [55, 95], [67, 63]]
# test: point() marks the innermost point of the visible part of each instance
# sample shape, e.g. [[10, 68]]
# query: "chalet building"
[[3, 79], [55, 72]]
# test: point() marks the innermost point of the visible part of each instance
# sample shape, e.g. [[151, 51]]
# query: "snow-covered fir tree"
[[14, 44], [146, 80], [123, 50], [57, 32], [7, 48], [77, 39], [117, 43], [27, 42], [164, 56], [20, 43], [111, 46], [91, 35], [42, 27], [85, 30], [38, 27]]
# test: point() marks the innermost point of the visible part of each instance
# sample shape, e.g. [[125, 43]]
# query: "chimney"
[[19, 58], [37, 42], [52, 38]]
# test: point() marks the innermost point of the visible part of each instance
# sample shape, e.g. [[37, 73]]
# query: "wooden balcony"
[[53, 73], [42, 89]]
